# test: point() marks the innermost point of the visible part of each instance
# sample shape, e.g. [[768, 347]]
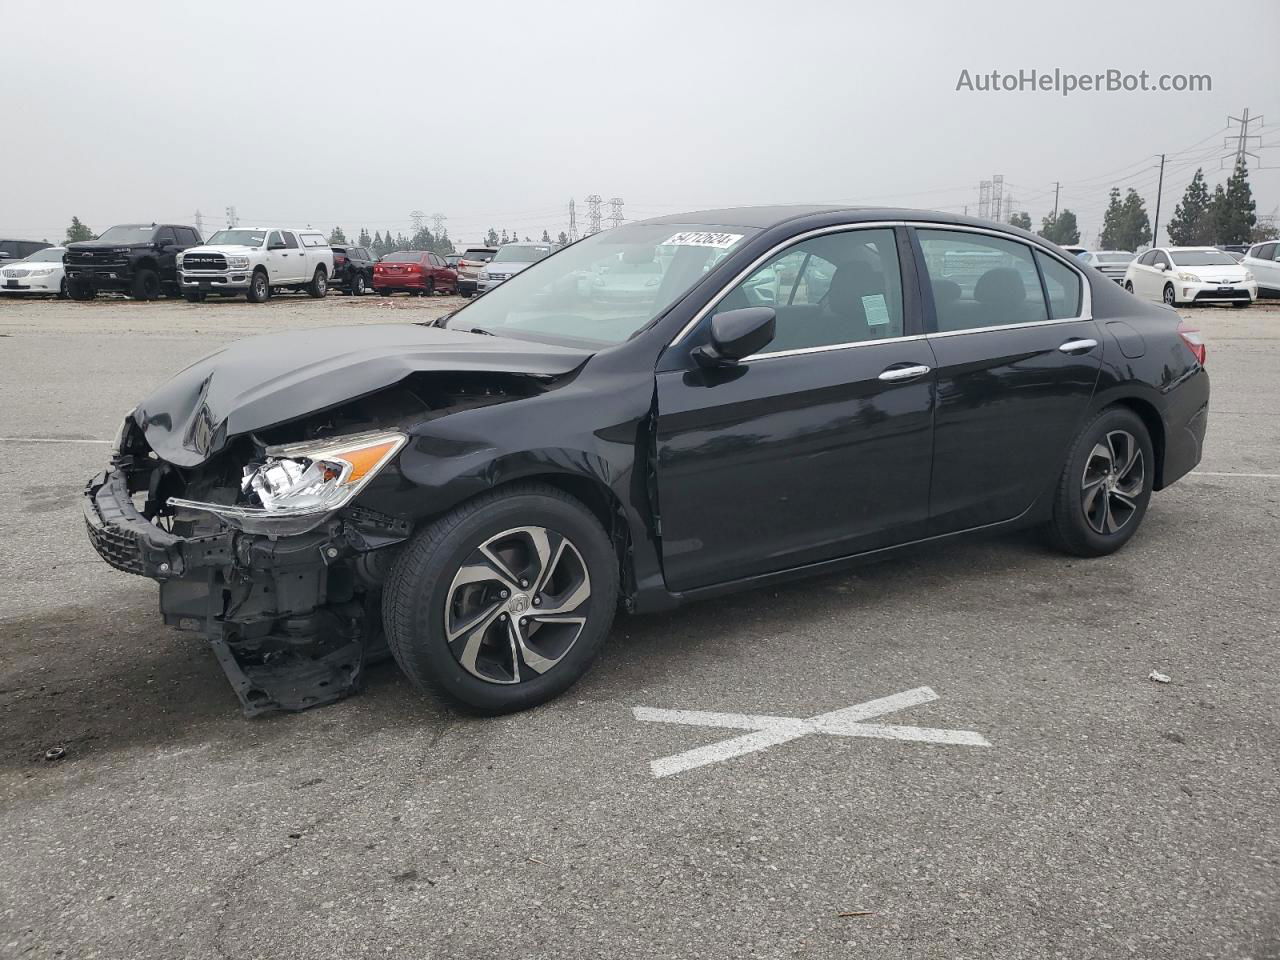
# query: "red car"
[[414, 271]]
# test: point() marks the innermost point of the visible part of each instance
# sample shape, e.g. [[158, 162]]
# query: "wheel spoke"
[[471, 648], [492, 572], [1134, 458], [1102, 451], [569, 603]]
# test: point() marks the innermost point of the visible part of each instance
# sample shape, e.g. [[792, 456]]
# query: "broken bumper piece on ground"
[[292, 620]]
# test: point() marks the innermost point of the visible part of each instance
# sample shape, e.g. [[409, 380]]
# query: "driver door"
[[817, 447]]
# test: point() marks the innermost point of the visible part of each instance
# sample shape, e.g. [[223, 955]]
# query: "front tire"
[[80, 291], [62, 289], [1105, 487], [1170, 300], [1128, 286], [259, 288], [1239, 305], [504, 602], [319, 284], [195, 296], [146, 285]]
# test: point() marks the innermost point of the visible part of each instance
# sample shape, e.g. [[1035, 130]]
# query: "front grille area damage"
[[292, 620]]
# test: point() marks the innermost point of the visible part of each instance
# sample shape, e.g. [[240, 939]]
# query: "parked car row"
[[147, 261]]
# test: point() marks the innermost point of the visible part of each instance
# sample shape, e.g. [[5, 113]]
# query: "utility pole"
[[1056, 187], [593, 213], [1155, 229], [615, 212], [1243, 137], [199, 224], [573, 222]]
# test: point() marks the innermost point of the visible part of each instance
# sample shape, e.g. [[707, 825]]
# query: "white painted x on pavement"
[[770, 731]]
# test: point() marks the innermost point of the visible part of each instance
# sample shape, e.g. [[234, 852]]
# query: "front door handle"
[[904, 373], [1078, 346]]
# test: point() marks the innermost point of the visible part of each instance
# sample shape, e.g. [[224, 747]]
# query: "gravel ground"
[[1110, 816]]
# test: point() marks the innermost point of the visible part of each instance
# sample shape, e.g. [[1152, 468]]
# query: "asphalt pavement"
[[1040, 796]]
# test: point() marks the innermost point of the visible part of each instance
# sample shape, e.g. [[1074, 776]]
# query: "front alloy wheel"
[[503, 602], [1169, 299], [517, 606]]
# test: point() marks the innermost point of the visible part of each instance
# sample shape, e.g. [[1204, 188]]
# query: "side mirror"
[[1162, 266], [736, 335]]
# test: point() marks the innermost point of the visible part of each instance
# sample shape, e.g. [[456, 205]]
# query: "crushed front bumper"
[[292, 620]]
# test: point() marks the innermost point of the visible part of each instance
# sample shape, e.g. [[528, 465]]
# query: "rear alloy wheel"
[[504, 602], [1128, 286], [319, 284], [62, 289], [1105, 487], [259, 288], [357, 285], [1169, 299]]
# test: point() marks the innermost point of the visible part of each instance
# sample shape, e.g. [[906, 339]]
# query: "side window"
[[1160, 258], [1146, 259], [1268, 252], [835, 289], [274, 239], [980, 280], [290, 240], [362, 253], [165, 235], [1063, 286]]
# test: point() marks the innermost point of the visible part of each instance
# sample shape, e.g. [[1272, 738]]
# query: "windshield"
[[522, 253], [239, 238], [1203, 258], [1113, 257], [48, 255], [602, 289], [130, 234]]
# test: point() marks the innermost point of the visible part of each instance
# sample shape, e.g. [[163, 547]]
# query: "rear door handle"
[[904, 373], [1078, 346]]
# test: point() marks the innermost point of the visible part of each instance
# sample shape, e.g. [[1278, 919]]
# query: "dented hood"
[[263, 381]]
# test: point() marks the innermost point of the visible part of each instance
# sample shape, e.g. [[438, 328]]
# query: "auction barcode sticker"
[[720, 241]]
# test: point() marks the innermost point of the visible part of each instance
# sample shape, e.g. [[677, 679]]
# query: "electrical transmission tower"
[[573, 222], [997, 197], [418, 219], [593, 213], [1242, 151], [199, 224], [615, 211], [437, 221], [984, 199], [232, 220]]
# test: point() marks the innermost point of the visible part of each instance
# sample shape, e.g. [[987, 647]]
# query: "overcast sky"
[[498, 113]]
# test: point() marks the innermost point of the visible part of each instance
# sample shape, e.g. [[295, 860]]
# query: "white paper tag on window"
[[720, 241], [876, 309]]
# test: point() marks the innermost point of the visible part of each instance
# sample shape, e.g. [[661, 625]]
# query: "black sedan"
[[782, 391]]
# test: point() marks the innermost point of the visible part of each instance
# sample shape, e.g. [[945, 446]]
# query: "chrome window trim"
[[1086, 291]]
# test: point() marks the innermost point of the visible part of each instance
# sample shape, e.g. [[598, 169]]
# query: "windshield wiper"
[[487, 333]]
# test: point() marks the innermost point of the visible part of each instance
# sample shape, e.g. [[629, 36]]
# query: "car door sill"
[[820, 567]]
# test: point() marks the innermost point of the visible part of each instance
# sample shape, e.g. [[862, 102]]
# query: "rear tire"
[[62, 289], [444, 577], [431, 288], [1105, 486], [146, 285], [356, 286], [259, 289], [319, 284]]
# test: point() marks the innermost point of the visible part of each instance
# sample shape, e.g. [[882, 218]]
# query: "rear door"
[[817, 447], [1018, 356], [295, 261]]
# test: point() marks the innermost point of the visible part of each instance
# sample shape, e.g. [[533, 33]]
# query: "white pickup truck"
[[256, 261]]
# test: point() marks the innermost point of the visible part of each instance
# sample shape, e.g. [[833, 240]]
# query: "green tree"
[[1112, 222], [1130, 228], [1232, 210], [1021, 219], [364, 239], [563, 238], [78, 231], [546, 237], [444, 246], [491, 238], [337, 236], [1060, 229], [375, 244], [1190, 225], [505, 238]]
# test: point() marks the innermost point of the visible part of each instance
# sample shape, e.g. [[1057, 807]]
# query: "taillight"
[[1195, 343]]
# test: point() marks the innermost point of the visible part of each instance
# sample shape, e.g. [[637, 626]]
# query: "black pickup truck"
[[352, 269], [133, 258]]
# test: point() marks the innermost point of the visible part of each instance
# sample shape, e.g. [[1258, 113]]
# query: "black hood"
[[264, 381], [108, 245]]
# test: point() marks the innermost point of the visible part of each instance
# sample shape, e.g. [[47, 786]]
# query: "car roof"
[[1192, 249], [763, 217]]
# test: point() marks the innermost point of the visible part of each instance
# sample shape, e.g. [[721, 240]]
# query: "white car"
[[1112, 264], [41, 273], [255, 261], [1263, 261], [1178, 275]]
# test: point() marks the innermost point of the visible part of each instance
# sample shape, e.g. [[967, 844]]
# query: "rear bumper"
[[1186, 423], [384, 282]]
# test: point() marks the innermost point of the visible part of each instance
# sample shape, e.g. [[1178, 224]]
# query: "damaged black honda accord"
[[665, 411]]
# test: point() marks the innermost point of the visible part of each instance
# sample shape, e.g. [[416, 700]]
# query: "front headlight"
[[41, 271], [1188, 278], [484, 275], [1248, 277], [300, 483], [238, 263]]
